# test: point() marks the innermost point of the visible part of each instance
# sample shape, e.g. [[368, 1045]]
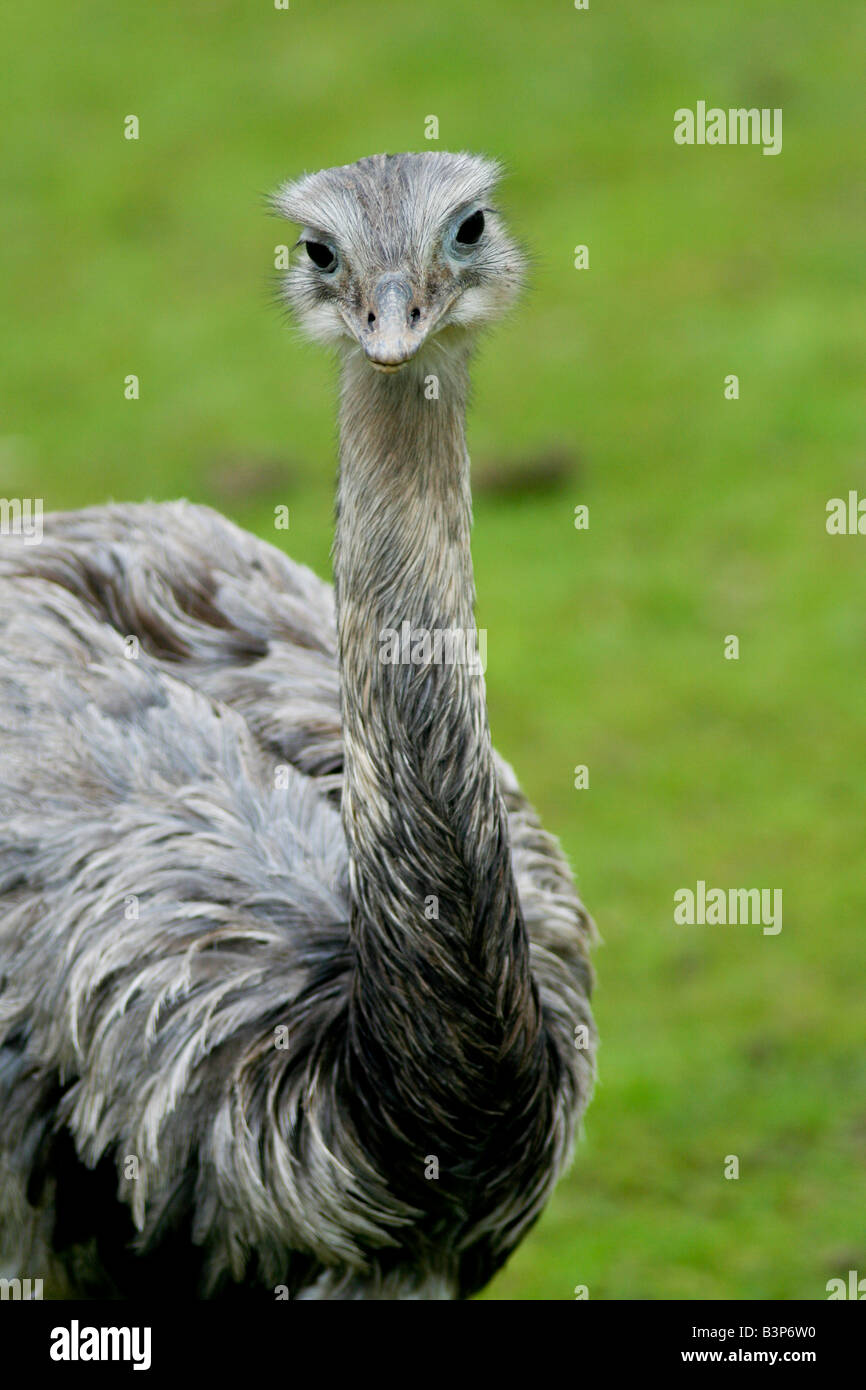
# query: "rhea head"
[[397, 250]]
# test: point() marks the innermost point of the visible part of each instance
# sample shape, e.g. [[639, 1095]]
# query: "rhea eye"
[[470, 230], [321, 255]]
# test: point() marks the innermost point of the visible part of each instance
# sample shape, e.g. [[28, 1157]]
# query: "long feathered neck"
[[445, 1017]]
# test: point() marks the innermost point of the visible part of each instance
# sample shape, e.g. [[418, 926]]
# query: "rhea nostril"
[[371, 318], [415, 315]]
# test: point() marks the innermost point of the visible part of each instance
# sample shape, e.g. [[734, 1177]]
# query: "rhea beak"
[[392, 329]]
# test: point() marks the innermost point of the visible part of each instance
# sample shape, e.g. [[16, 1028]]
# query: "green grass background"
[[605, 646]]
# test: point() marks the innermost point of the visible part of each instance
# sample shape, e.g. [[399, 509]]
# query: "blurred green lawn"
[[605, 646]]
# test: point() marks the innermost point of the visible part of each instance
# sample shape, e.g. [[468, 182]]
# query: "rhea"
[[294, 988]]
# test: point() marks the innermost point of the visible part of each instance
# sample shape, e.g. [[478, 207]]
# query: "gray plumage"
[[280, 934]]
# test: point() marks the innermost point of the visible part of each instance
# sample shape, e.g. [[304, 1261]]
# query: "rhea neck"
[[436, 923]]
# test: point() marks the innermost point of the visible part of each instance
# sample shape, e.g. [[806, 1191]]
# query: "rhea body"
[[294, 989]]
